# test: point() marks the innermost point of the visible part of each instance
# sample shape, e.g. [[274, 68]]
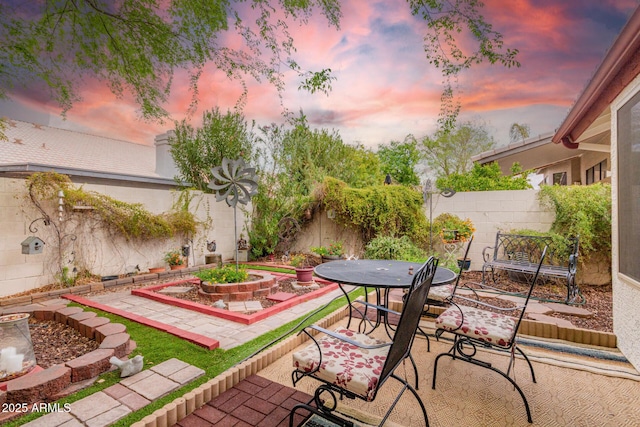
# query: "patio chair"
[[354, 365], [383, 312], [474, 327], [438, 295]]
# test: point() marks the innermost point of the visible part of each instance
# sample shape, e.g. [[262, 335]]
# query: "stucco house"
[[587, 164], [126, 171], [607, 112]]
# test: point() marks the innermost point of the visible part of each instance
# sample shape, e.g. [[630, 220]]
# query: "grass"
[[157, 346]]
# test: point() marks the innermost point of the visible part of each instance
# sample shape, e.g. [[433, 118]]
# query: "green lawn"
[[157, 346]]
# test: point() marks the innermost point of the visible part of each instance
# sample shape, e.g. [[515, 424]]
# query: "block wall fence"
[[491, 211], [94, 248]]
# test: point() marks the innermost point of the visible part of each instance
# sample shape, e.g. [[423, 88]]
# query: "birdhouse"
[[32, 245]]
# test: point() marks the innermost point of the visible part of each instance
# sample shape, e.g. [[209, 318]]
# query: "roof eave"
[[618, 68], [35, 167]]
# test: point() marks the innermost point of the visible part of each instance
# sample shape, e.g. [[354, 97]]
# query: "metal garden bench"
[[519, 254]]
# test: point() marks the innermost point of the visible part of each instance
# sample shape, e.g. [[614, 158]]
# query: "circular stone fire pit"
[[260, 286]]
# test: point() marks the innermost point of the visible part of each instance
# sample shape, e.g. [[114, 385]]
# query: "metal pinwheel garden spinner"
[[234, 183]]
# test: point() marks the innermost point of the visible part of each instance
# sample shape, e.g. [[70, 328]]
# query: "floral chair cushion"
[[440, 293], [345, 365], [484, 325]]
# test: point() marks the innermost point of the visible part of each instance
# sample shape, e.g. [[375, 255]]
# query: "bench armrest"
[[573, 263], [485, 253]]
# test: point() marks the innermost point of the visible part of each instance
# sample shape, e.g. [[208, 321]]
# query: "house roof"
[[619, 67], [533, 153], [35, 148]]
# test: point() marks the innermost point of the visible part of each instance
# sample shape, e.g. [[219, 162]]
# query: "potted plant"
[[304, 272], [174, 259], [329, 253], [452, 228]]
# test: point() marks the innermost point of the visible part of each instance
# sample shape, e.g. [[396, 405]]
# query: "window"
[[597, 172], [560, 178], [629, 186]]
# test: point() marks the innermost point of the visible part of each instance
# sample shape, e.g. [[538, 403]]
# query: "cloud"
[[386, 88]]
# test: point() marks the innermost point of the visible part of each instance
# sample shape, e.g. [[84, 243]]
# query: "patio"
[[572, 389]]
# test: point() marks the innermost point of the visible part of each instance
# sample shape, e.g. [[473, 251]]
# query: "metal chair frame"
[[465, 348], [399, 351]]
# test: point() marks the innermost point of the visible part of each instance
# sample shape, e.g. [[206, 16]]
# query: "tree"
[[448, 153], [291, 162], [399, 160], [447, 22], [485, 178], [136, 46], [196, 151], [518, 132], [309, 155]]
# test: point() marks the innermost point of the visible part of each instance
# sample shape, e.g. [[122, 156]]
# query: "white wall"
[[491, 211], [626, 291], [94, 248]]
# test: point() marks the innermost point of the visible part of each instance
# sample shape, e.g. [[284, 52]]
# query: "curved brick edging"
[[45, 384], [246, 319]]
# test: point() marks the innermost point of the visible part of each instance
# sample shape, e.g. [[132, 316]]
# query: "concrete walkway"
[[116, 402], [229, 334]]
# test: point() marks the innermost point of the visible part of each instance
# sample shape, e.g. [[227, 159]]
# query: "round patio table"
[[379, 275]]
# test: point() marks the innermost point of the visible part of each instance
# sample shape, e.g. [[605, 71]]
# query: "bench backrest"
[[529, 248]]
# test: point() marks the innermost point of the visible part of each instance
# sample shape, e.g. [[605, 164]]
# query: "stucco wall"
[[491, 211], [591, 159], [94, 248], [488, 210], [322, 231], [626, 292]]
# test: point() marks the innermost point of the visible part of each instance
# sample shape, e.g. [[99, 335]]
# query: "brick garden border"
[[247, 319], [49, 384]]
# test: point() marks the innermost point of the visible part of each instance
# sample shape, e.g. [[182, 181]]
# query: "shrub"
[[446, 223], [334, 249], [224, 274], [299, 261], [581, 210], [485, 178], [400, 248], [389, 210], [174, 257]]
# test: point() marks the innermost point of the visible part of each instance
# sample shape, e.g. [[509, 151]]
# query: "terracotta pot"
[[177, 267], [304, 274], [156, 269]]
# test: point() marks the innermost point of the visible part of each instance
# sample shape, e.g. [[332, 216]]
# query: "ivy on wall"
[[130, 220], [389, 210], [581, 210]]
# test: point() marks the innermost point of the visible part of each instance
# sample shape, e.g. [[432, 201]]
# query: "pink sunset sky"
[[385, 87]]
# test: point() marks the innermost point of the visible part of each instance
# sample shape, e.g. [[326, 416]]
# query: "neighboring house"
[[126, 171], [589, 163], [608, 112]]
